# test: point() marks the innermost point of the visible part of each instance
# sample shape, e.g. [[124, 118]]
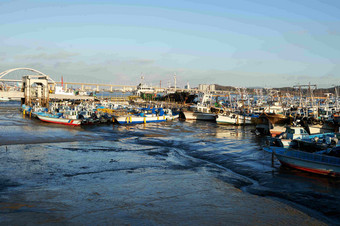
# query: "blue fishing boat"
[[147, 115], [325, 162], [297, 137]]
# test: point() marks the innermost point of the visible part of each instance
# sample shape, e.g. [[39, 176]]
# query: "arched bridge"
[[17, 83], [4, 73]]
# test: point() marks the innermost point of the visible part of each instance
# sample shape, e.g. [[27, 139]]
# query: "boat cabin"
[[296, 133], [71, 114]]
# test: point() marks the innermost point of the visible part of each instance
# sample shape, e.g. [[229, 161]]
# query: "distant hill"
[[283, 90], [224, 88]]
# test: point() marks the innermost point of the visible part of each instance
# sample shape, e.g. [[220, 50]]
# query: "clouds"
[[240, 43], [61, 55], [127, 72]]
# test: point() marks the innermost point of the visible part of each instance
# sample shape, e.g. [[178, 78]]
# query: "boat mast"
[[336, 98]]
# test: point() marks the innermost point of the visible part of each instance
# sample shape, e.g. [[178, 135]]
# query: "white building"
[[187, 86], [206, 87]]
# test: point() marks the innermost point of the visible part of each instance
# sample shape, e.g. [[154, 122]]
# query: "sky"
[[244, 43]]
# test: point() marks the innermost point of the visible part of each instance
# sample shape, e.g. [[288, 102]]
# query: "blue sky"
[[238, 43]]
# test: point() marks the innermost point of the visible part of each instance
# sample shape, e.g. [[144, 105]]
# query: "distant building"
[[187, 86], [206, 87]]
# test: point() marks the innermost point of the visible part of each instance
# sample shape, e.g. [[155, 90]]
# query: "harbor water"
[[179, 172]]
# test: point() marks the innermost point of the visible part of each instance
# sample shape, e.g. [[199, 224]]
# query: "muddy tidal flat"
[[172, 173]]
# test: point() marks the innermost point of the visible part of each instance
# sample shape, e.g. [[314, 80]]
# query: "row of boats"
[[295, 146], [96, 113], [270, 119]]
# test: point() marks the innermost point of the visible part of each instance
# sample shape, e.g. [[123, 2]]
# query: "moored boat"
[[311, 162], [200, 111], [60, 120], [298, 137], [134, 119], [269, 123], [197, 115], [146, 116], [233, 119]]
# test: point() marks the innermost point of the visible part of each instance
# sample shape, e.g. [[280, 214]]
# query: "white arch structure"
[[2, 74]]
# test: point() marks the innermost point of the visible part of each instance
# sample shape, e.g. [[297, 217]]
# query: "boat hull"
[[199, 116], [310, 162], [237, 120], [62, 121], [141, 120]]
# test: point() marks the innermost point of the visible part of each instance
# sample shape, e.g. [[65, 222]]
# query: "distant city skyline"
[[244, 43]]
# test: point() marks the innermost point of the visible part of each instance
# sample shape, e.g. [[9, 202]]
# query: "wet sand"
[[127, 188]]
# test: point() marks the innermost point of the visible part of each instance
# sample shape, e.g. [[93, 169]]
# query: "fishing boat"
[[320, 163], [233, 119], [60, 90], [198, 115], [298, 138], [59, 120], [135, 119], [143, 88], [145, 116], [201, 111], [272, 124]]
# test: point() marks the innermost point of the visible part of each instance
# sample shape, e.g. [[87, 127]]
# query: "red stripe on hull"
[[317, 171], [62, 123]]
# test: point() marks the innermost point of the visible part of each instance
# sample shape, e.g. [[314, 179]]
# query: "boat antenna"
[[142, 78]]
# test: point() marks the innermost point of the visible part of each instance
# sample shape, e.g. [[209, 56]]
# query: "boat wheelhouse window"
[[292, 131], [302, 131]]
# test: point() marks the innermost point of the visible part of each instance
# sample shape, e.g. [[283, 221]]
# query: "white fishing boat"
[[233, 119], [60, 120], [196, 115], [201, 111], [60, 90], [144, 88]]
